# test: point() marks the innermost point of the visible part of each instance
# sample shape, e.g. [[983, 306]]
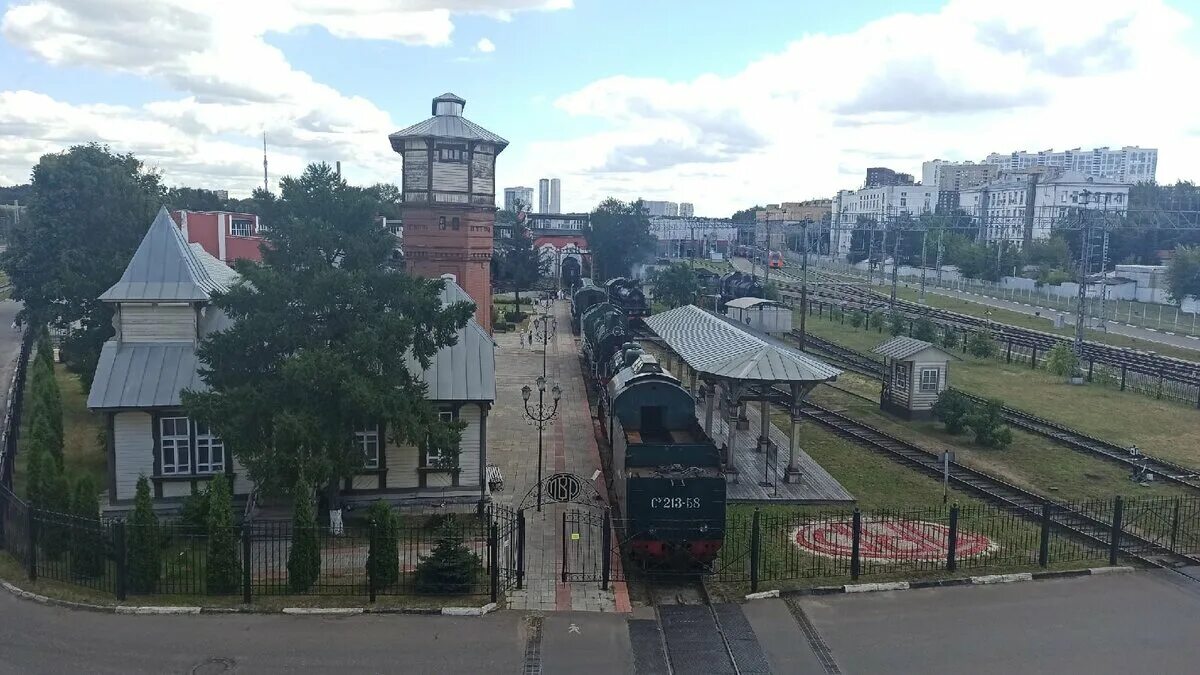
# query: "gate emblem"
[[562, 487], [887, 541]]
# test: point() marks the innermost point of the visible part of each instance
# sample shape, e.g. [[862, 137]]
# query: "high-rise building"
[[686, 209], [512, 195], [1129, 164], [878, 205], [954, 176], [661, 208], [449, 208], [544, 195], [555, 195], [1021, 207], [879, 176]]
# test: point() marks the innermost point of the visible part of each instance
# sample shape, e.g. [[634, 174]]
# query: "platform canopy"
[[717, 347]]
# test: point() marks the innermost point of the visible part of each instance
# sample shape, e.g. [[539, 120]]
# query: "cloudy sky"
[[718, 103]]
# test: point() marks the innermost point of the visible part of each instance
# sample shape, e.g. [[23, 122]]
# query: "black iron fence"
[[11, 424], [442, 555]]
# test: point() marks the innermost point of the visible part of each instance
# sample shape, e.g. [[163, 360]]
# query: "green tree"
[[676, 285], [40, 466], [87, 545], [55, 533], [388, 199], [618, 234], [41, 435], [981, 345], [383, 559], [987, 421], [87, 213], [771, 291], [221, 564], [895, 323], [1061, 360], [45, 409], [519, 264], [451, 566], [952, 410], [323, 330], [195, 199], [746, 215], [876, 319], [1183, 273], [950, 338], [924, 329], [304, 558], [144, 543], [855, 317]]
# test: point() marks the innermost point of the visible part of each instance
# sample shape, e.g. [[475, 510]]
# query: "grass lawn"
[[83, 443], [1163, 428]]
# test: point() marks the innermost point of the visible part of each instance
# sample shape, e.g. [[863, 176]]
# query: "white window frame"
[[903, 374], [208, 443], [235, 225], [937, 376], [367, 442], [178, 445], [436, 459]]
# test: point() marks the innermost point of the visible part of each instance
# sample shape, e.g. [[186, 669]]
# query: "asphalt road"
[[10, 345]]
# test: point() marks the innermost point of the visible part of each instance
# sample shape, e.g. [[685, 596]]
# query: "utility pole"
[[871, 258], [941, 249], [1085, 241], [803, 287], [921, 298], [767, 254], [265, 188], [895, 263]]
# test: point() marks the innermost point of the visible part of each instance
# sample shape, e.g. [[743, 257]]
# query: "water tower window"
[[451, 153], [441, 222], [454, 223]]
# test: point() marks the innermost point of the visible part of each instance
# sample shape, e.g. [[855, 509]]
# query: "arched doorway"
[[571, 272]]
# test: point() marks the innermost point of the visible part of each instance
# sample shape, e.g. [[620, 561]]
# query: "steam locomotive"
[[605, 329], [627, 295], [741, 285], [583, 299]]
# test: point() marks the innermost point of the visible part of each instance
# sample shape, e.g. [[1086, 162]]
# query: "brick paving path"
[[569, 445]]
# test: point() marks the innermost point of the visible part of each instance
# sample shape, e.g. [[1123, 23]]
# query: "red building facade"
[[225, 235]]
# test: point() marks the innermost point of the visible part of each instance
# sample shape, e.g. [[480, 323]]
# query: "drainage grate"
[[649, 654], [694, 644], [533, 648], [822, 651]]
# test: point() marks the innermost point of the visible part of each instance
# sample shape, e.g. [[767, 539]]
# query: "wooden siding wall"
[[449, 177], [924, 400], [133, 443], [483, 168], [157, 323], [402, 460], [416, 170]]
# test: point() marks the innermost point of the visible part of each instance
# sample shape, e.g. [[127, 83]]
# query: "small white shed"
[[767, 316], [917, 372]]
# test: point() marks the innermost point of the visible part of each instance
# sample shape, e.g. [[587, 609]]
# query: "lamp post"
[[540, 416], [545, 326]]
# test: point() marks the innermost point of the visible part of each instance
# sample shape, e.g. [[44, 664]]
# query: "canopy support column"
[[710, 399], [764, 422], [792, 475], [734, 394]]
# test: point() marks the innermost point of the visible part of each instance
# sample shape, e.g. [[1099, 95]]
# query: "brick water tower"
[[450, 199]]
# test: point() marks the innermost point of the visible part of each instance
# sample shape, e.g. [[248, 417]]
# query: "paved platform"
[[569, 445]]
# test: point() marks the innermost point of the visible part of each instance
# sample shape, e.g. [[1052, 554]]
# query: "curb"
[[131, 610], [984, 580]]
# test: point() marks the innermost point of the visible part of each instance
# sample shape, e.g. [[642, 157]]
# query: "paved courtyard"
[[569, 445]]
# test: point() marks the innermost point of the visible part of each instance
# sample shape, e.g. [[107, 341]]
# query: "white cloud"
[[970, 79], [485, 45], [234, 85]]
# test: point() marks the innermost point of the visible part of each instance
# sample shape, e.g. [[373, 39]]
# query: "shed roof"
[[446, 125], [746, 303], [143, 374], [466, 370], [714, 345], [165, 269], [901, 348]]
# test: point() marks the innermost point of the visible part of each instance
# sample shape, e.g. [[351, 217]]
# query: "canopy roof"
[[745, 303], [716, 346], [901, 348], [449, 125]]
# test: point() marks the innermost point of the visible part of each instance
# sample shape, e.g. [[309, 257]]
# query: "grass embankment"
[[83, 439], [1162, 428]]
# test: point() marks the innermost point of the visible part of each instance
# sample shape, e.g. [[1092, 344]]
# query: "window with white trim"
[[929, 379], [210, 450], [173, 445], [367, 442], [442, 458], [240, 227]]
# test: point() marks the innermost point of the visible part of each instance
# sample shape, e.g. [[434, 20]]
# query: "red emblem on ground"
[[890, 540]]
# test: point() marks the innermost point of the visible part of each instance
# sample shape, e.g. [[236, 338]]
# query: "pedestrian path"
[[569, 445]]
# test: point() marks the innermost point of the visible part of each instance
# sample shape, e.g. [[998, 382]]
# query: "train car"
[[587, 296], [775, 260], [627, 294], [741, 285], [666, 475], [605, 328]]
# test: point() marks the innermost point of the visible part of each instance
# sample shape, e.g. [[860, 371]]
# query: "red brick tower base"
[[446, 239]]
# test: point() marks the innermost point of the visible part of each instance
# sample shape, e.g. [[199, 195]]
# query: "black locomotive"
[[627, 294], [665, 473], [605, 329], [741, 285], [583, 299]]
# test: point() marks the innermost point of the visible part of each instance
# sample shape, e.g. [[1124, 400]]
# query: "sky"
[[717, 103]]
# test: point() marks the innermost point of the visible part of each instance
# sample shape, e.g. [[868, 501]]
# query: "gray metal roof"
[[714, 345], [901, 348], [466, 370], [448, 126], [164, 268], [744, 303], [143, 375]]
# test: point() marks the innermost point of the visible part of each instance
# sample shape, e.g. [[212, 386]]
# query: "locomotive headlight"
[[704, 527]]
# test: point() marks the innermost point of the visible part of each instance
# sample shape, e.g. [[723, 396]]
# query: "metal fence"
[[97, 556], [11, 424]]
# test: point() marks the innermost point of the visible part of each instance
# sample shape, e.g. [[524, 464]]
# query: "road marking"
[[573, 628]]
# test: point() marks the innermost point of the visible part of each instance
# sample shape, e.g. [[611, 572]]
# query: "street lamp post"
[[540, 416], [545, 326]]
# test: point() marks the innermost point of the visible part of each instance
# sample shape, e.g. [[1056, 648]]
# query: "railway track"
[[1055, 431], [1011, 497]]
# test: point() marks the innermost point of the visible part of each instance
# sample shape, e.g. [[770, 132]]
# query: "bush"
[[987, 421], [981, 345], [221, 566], [45, 406], [194, 514], [450, 567], [855, 318], [515, 317], [952, 409], [144, 548], [383, 560], [895, 323], [924, 329], [304, 559], [1061, 360], [55, 535], [876, 319], [87, 546], [949, 338]]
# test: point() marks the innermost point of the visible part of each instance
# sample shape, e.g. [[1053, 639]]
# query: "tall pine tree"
[[144, 548], [221, 565], [87, 544], [304, 558]]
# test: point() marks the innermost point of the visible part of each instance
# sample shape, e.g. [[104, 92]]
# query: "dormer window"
[[452, 153], [441, 222]]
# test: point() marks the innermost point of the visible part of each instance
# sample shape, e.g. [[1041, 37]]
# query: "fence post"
[[1114, 543], [374, 548], [855, 537], [1033, 358], [1091, 366], [246, 563], [494, 551], [31, 529], [1008, 356], [952, 540], [1174, 523], [1122, 377], [521, 550], [120, 556], [1044, 539], [564, 547], [606, 547], [754, 551]]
